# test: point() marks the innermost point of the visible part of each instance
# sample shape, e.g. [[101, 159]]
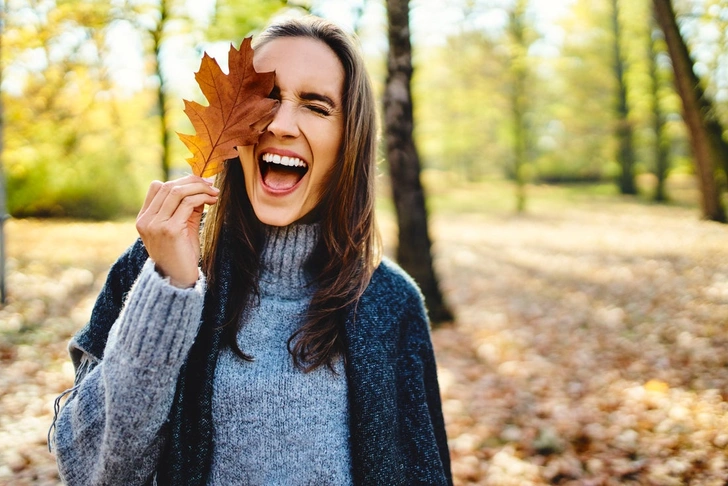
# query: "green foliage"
[[55, 170], [93, 189], [78, 145], [97, 198], [459, 102], [464, 103], [236, 19], [58, 141], [462, 100]]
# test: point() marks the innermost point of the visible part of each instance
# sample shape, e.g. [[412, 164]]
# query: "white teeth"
[[284, 160]]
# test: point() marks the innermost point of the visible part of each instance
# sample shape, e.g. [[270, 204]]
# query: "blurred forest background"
[[576, 186], [539, 92]]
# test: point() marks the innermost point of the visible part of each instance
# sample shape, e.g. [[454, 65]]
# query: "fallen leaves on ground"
[[589, 346], [54, 271]]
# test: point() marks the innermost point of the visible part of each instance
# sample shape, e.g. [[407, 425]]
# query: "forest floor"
[[589, 346]]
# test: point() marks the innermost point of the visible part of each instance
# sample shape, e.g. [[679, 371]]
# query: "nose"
[[285, 124]]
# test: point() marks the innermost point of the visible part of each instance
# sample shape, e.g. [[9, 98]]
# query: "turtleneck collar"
[[286, 251]]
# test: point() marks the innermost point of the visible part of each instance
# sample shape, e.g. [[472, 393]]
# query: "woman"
[[293, 355]]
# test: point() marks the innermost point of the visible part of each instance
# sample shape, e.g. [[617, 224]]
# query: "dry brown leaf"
[[238, 112]]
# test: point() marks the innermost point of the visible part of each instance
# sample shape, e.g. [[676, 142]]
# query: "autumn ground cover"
[[589, 346]]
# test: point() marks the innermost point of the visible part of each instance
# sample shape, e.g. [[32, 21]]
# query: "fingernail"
[[210, 180]]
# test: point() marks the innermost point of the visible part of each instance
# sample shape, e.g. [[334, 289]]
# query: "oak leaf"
[[239, 109]]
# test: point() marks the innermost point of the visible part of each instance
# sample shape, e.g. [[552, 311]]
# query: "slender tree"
[[660, 147], [167, 13], [3, 206], [624, 130], [157, 34], [518, 99], [414, 248], [704, 129], [164, 12]]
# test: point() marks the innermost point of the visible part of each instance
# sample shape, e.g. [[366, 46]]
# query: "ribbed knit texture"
[[128, 398], [275, 424]]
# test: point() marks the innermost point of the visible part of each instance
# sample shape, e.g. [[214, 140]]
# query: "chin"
[[276, 216]]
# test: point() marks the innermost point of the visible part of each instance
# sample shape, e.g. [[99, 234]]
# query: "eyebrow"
[[311, 96]]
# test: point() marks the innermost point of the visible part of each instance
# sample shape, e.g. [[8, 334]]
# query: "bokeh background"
[[587, 281]]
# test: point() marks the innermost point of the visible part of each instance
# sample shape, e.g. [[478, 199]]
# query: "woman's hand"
[[169, 224]]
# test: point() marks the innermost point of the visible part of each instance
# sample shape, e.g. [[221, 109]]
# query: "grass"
[[447, 195], [35, 245]]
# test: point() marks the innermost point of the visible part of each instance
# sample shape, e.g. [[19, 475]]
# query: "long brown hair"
[[349, 248]]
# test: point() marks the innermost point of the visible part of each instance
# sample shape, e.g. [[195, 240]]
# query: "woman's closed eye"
[[319, 109], [318, 103]]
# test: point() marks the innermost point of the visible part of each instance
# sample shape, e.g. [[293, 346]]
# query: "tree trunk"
[[705, 132], [158, 37], [519, 75], [3, 195], [413, 251], [624, 131], [660, 147]]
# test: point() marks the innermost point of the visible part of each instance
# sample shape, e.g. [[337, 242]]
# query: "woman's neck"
[[283, 260]]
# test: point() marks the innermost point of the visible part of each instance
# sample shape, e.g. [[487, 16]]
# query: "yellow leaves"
[[238, 112], [657, 386]]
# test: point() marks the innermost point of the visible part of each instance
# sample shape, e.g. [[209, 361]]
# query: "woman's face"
[[285, 170]]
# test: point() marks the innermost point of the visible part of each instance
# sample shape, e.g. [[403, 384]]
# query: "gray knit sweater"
[[267, 414], [275, 424]]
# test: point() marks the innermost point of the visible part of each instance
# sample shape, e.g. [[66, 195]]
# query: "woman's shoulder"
[[391, 284], [392, 308]]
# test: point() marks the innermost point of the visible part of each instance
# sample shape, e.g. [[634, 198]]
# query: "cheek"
[[332, 150], [247, 159]]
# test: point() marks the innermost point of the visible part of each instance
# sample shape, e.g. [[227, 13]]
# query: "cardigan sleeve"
[[111, 429], [419, 394], [397, 428]]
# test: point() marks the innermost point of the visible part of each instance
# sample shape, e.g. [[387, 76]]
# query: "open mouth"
[[281, 173]]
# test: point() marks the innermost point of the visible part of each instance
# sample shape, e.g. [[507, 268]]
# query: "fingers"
[[186, 207], [151, 192], [163, 199], [170, 198], [156, 186], [168, 223]]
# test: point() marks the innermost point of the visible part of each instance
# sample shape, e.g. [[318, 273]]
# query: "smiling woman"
[[293, 354], [286, 170]]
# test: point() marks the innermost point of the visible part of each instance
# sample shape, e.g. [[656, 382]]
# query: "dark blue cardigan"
[[397, 428]]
